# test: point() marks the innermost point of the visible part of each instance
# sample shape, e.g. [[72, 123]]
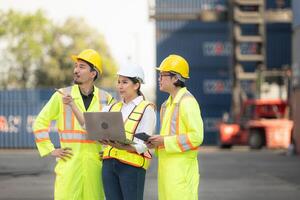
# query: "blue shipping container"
[[275, 4], [189, 6], [202, 44], [18, 109], [279, 45]]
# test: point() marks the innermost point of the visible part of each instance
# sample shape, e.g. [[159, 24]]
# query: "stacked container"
[[18, 109], [207, 47]]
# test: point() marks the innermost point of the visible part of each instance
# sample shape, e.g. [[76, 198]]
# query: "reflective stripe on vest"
[[74, 136], [182, 139], [103, 99], [68, 114], [130, 158], [41, 135], [131, 124], [69, 134]]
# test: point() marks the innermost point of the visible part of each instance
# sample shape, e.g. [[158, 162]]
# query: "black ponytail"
[[135, 81]]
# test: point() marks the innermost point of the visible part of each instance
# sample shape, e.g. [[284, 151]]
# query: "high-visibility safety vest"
[[131, 124], [182, 128], [80, 176]]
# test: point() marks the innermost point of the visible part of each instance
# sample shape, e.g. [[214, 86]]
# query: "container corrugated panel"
[[189, 6], [296, 13], [210, 87], [275, 4], [202, 44], [207, 45], [18, 109], [279, 45]]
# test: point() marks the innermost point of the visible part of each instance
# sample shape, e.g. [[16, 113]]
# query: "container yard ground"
[[228, 175]]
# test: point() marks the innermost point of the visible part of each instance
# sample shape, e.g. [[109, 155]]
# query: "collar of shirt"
[[135, 101], [127, 108], [77, 93], [178, 96]]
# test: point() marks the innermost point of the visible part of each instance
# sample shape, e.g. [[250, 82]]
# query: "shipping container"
[[202, 44], [208, 49], [207, 45], [18, 110], [190, 6], [278, 4], [279, 45]]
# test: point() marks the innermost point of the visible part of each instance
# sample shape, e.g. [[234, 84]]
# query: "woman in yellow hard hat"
[[124, 166], [180, 136]]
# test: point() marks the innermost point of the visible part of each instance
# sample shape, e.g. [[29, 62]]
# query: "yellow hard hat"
[[175, 63], [90, 56]]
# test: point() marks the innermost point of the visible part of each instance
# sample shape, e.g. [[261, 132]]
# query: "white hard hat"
[[132, 71]]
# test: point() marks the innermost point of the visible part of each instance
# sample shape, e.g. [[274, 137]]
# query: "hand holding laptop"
[[117, 145]]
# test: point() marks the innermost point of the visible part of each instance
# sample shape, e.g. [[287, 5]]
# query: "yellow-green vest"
[[69, 130], [182, 128], [131, 124]]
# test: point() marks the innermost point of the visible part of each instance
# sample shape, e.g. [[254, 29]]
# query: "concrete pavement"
[[228, 175]]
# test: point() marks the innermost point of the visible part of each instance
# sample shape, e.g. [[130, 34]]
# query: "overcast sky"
[[124, 23]]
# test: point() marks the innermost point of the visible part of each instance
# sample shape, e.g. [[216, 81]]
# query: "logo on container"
[[249, 48], [217, 48], [10, 124], [216, 86], [224, 86]]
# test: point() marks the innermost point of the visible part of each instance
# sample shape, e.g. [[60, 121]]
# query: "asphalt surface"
[[237, 174]]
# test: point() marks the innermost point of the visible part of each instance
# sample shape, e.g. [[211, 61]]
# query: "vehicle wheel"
[[256, 140], [225, 146]]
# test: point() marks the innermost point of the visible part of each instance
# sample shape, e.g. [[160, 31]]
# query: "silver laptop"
[[105, 126]]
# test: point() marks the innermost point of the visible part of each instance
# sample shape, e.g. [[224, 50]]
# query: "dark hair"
[[178, 83], [92, 68], [135, 81]]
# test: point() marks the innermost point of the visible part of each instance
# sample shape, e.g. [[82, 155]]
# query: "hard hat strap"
[[179, 76]]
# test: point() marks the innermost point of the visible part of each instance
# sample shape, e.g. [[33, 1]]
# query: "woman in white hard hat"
[[124, 166]]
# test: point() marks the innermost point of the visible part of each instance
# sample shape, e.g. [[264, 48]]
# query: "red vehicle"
[[262, 122]]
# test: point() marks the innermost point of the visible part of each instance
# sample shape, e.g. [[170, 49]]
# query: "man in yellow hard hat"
[[180, 136], [78, 168]]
